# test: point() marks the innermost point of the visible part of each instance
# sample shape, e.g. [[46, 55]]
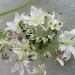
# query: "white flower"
[[40, 70], [55, 24], [21, 48], [36, 17], [20, 56], [21, 61], [60, 60], [14, 26], [67, 40]]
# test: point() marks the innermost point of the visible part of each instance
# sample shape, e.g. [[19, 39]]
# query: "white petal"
[[13, 42], [30, 23], [73, 41], [40, 12], [29, 72], [67, 54], [12, 57], [33, 8], [27, 17], [19, 43], [73, 51], [21, 70], [8, 28], [11, 26], [60, 61], [18, 30], [25, 63], [22, 15], [17, 52], [62, 47], [52, 16], [61, 38], [16, 16], [67, 34], [33, 12], [72, 33], [15, 67], [45, 73]]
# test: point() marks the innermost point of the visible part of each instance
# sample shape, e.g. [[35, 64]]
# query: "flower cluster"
[[31, 37]]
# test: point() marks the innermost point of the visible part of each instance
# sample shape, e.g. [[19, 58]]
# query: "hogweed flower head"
[[32, 36]]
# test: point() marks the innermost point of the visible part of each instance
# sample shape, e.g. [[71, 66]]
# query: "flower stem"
[[45, 21], [15, 9], [55, 42]]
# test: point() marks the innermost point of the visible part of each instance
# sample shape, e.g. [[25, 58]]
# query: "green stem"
[[45, 21], [55, 42], [15, 9]]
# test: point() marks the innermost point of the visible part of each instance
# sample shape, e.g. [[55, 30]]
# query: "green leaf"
[[2, 36]]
